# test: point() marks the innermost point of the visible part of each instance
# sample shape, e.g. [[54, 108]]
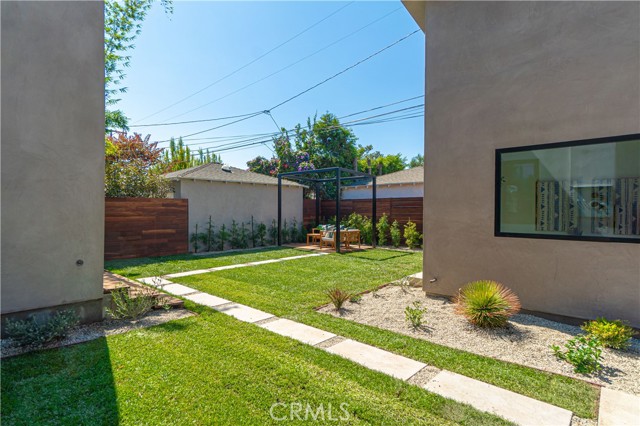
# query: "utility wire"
[[248, 63], [284, 68], [344, 70], [217, 127], [194, 121]]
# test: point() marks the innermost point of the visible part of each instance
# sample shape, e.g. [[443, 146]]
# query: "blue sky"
[[202, 42]]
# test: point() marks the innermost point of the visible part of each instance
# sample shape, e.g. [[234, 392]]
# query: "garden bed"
[[525, 341]]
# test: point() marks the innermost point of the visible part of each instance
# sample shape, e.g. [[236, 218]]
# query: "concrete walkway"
[[618, 409], [509, 405], [154, 281]]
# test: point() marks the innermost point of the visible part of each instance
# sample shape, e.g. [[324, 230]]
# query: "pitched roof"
[[213, 172], [406, 176]]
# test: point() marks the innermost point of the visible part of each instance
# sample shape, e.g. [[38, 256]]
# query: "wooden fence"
[[400, 209], [141, 227]]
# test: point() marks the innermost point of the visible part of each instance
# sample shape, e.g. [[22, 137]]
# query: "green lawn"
[[156, 266], [215, 369], [292, 289], [210, 369]]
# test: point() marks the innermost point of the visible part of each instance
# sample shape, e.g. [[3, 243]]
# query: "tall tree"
[[379, 162], [417, 161], [133, 167], [122, 25], [178, 156]]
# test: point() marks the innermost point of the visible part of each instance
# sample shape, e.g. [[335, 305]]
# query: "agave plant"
[[487, 303]]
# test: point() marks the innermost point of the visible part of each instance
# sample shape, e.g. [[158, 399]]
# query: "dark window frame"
[[567, 144]]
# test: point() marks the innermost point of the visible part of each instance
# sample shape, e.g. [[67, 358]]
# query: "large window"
[[581, 190]]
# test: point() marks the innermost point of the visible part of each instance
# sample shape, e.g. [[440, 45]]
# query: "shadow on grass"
[[70, 385], [146, 261]]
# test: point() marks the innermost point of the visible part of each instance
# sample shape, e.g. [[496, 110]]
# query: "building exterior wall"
[[505, 74], [52, 156], [234, 201], [384, 191]]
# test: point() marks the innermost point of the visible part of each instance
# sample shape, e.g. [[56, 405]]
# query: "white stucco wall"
[[384, 191], [52, 156], [234, 201]]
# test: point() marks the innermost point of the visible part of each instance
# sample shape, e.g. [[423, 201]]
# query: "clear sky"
[[202, 42]]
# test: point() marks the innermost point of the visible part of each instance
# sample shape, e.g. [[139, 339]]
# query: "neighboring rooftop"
[[403, 177], [215, 172]]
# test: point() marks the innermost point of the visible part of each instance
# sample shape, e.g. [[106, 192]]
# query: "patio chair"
[[328, 239]]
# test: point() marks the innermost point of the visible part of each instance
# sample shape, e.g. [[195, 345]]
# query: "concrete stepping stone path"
[[616, 408], [509, 405], [377, 359], [301, 332]]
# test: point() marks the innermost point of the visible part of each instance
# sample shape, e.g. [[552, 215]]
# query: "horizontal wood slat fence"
[[400, 209], [141, 227]]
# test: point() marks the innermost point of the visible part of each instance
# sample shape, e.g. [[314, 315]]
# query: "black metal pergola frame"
[[340, 175]]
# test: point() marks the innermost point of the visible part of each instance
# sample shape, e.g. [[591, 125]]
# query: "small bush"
[[338, 296], [38, 332], [284, 232], [403, 283], [583, 352], [414, 314], [223, 236], [356, 298], [487, 303], [612, 334], [396, 234], [411, 235], [273, 233], [244, 236], [198, 238], [293, 231], [210, 235], [127, 306], [234, 235], [383, 230], [261, 233]]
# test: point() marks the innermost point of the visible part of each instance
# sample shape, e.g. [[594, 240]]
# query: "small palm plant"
[[487, 303]]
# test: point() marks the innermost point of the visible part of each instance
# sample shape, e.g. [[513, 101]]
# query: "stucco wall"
[[233, 201], [507, 74], [52, 155], [384, 191]]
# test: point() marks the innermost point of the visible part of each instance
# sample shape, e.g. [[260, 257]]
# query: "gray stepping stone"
[[377, 359], [243, 313], [187, 273], [206, 299], [618, 408], [297, 331], [509, 405], [178, 289], [222, 268], [155, 281]]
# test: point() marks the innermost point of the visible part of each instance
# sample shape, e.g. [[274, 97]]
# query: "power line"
[[194, 121], [345, 70], [286, 67], [248, 63], [310, 88]]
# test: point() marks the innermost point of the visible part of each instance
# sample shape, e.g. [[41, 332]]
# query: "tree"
[[321, 143], [416, 161], [179, 157], [390, 163], [122, 25], [133, 168]]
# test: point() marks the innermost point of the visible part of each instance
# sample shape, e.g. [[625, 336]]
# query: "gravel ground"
[[95, 330], [525, 341]]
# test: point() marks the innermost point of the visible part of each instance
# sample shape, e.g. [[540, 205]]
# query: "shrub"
[[293, 231], [197, 238], [234, 235], [284, 232], [244, 236], [361, 223], [273, 232], [338, 296], [612, 334], [396, 235], [210, 235], [383, 230], [404, 284], [302, 234], [261, 233], [583, 352], [126, 306], [253, 234], [223, 236], [411, 235], [487, 303], [38, 332], [414, 314]]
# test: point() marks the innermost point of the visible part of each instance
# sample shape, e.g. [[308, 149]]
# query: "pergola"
[[341, 177]]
